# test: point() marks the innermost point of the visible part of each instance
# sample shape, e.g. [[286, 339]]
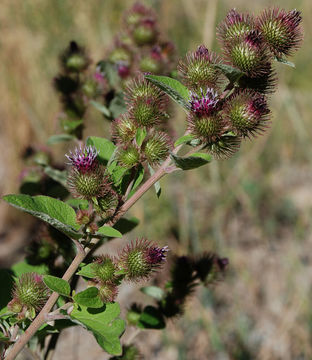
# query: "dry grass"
[[255, 208]]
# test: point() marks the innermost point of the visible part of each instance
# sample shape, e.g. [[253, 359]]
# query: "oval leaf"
[[153, 291], [55, 139], [151, 318], [173, 88], [184, 139], [108, 231], [191, 162], [104, 323], [103, 146], [230, 72], [55, 212], [89, 298], [102, 108], [87, 271], [56, 284]]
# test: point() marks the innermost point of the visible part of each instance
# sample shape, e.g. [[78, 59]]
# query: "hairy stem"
[[41, 317]]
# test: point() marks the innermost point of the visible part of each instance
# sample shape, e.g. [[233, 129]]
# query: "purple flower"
[[83, 159], [156, 255], [204, 104]]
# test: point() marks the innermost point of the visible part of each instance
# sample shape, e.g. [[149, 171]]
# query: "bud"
[[247, 112], [107, 204], [90, 88], [281, 30], [225, 146], [108, 291], [74, 58], [265, 83], [104, 268], [124, 129], [133, 314], [29, 293], [149, 64], [140, 258], [141, 88], [204, 121], [123, 69], [137, 13], [145, 33], [147, 111], [83, 217], [234, 26], [86, 178], [120, 54], [156, 147], [249, 54], [128, 156], [198, 69]]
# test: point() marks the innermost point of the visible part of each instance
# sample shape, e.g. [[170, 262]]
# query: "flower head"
[[156, 147], [140, 258], [199, 71], [205, 103], [83, 159], [74, 58], [247, 112], [281, 30], [104, 268]]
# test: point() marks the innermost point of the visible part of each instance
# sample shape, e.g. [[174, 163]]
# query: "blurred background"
[[254, 208]]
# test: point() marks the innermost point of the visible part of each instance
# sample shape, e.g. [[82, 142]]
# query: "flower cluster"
[[140, 46], [222, 112], [139, 133], [136, 262]]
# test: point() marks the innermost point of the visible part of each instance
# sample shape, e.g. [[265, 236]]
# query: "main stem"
[[41, 317]]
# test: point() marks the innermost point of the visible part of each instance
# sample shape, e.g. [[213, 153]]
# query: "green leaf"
[[23, 267], [89, 298], [117, 172], [3, 338], [55, 139], [57, 284], [110, 72], [7, 282], [57, 175], [184, 139], [108, 231], [117, 106], [71, 125], [126, 225], [140, 136], [78, 203], [230, 72], [104, 146], [102, 108], [138, 179], [157, 183], [151, 318], [153, 291], [104, 324], [285, 61], [87, 271], [191, 162], [53, 211], [173, 88]]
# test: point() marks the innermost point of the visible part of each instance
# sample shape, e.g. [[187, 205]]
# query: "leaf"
[[55, 139], [138, 179], [102, 108], [285, 61], [173, 88], [23, 267], [104, 324], [230, 72], [54, 212], [140, 136], [57, 284], [104, 146], [87, 271], [126, 225], [117, 106], [57, 175], [151, 318], [89, 298], [78, 203], [7, 282], [157, 183], [192, 162], [110, 72], [108, 231], [153, 291], [71, 125], [184, 139]]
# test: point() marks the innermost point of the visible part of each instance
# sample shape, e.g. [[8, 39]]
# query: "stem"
[[41, 317]]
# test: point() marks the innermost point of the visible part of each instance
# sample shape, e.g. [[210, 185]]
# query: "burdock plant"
[[226, 101]]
